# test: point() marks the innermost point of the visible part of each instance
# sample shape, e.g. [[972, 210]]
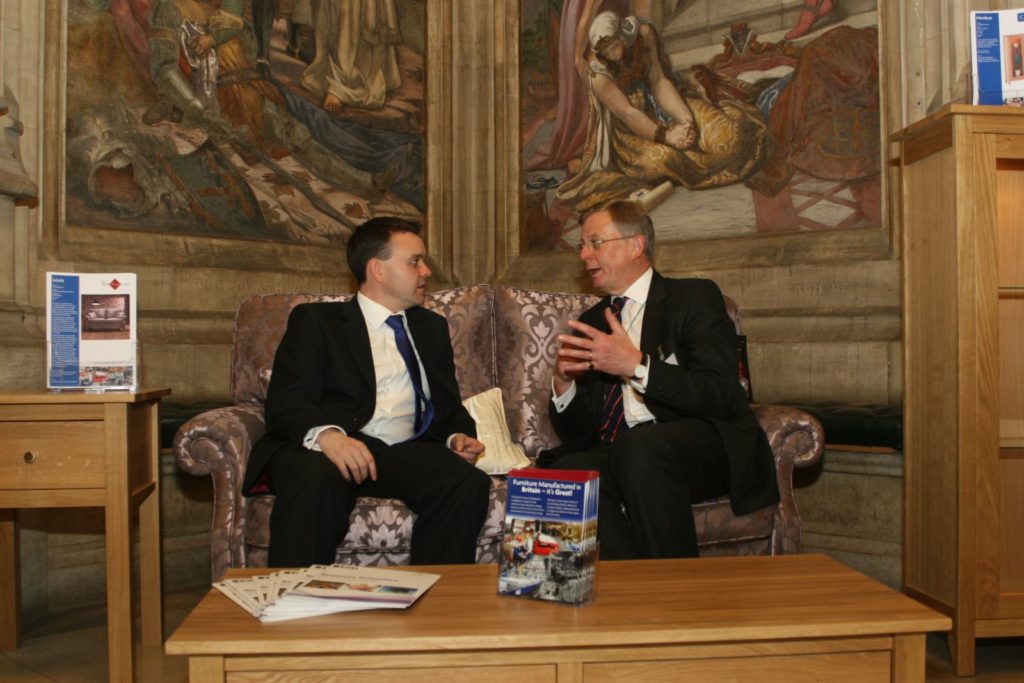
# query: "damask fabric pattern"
[[259, 326], [526, 328], [380, 531], [502, 336]]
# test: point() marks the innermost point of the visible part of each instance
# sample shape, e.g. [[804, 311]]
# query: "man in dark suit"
[[363, 401], [646, 391]]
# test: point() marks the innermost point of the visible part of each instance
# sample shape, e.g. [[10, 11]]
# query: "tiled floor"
[[71, 648]]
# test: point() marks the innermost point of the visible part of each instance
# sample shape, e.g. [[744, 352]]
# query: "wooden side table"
[[86, 450]]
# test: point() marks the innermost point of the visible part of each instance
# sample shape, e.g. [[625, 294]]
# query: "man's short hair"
[[630, 219], [372, 240]]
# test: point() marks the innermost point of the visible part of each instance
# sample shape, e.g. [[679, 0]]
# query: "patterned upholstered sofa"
[[502, 336]]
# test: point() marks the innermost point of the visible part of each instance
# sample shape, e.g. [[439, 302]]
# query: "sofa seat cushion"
[[378, 527], [381, 530]]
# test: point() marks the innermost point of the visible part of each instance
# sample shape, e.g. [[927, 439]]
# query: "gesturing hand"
[[613, 353], [351, 456]]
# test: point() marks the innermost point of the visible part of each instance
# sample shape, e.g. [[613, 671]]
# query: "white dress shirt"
[[394, 410], [633, 407]]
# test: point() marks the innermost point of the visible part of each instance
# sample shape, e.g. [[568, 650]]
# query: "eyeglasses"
[[595, 243]]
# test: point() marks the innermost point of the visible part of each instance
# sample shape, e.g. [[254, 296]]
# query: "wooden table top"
[[637, 603]]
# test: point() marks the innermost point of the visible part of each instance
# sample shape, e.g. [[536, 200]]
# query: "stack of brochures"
[[549, 550], [325, 589]]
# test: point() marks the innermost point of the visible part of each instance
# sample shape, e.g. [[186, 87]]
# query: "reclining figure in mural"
[[643, 128]]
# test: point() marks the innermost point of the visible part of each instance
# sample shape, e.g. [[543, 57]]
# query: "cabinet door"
[[1001, 503]]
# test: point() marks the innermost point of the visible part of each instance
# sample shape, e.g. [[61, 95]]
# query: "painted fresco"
[[727, 119], [283, 120]]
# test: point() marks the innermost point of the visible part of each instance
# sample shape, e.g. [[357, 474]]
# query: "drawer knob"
[[30, 457]]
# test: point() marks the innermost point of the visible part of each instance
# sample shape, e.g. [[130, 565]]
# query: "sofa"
[[102, 319], [502, 337]]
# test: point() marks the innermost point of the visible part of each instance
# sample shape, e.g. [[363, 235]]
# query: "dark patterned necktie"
[[424, 408], [612, 417]]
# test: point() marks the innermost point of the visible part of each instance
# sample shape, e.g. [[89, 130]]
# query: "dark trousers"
[[650, 476], [310, 516]]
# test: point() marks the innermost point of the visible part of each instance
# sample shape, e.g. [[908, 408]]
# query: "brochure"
[[325, 589], [997, 57], [549, 550], [91, 331]]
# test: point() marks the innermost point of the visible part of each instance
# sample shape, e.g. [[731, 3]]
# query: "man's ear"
[[375, 270]]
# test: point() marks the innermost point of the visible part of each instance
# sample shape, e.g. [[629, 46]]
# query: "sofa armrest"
[[797, 440], [217, 443]]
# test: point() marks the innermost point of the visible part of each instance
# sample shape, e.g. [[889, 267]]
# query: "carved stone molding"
[[14, 182]]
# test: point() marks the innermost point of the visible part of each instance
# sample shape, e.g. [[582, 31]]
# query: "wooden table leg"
[[961, 645], [10, 594], [119, 549], [205, 669], [908, 654], [149, 542]]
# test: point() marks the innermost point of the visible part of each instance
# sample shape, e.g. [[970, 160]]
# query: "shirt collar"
[[374, 313], [640, 288]]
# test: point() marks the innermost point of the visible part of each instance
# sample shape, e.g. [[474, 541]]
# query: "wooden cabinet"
[[962, 183], [83, 450]]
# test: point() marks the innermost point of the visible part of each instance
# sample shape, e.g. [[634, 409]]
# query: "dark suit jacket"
[[324, 375], [685, 321]]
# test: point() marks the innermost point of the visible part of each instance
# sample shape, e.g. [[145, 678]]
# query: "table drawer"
[[52, 455]]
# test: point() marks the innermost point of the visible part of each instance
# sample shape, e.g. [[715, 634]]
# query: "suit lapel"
[[654, 313], [353, 327]]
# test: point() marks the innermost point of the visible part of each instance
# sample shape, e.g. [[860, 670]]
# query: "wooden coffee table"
[[750, 618]]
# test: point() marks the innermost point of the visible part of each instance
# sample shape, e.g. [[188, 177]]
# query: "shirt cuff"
[[640, 385], [313, 434], [562, 402]]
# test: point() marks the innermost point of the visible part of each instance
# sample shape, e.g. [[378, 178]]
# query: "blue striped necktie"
[[612, 417], [424, 408]]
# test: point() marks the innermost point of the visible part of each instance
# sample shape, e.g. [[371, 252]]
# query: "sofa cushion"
[[469, 316], [501, 454], [526, 326], [259, 326]]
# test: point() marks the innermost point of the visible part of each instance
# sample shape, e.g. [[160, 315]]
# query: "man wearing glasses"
[[645, 390]]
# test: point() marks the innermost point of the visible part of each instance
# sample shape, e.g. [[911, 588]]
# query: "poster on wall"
[[288, 122], [997, 57], [91, 331], [724, 118]]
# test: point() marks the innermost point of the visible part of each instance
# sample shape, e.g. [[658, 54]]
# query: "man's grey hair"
[[630, 219]]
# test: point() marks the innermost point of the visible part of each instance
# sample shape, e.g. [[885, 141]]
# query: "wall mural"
[[286, 120], [730, 118]]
